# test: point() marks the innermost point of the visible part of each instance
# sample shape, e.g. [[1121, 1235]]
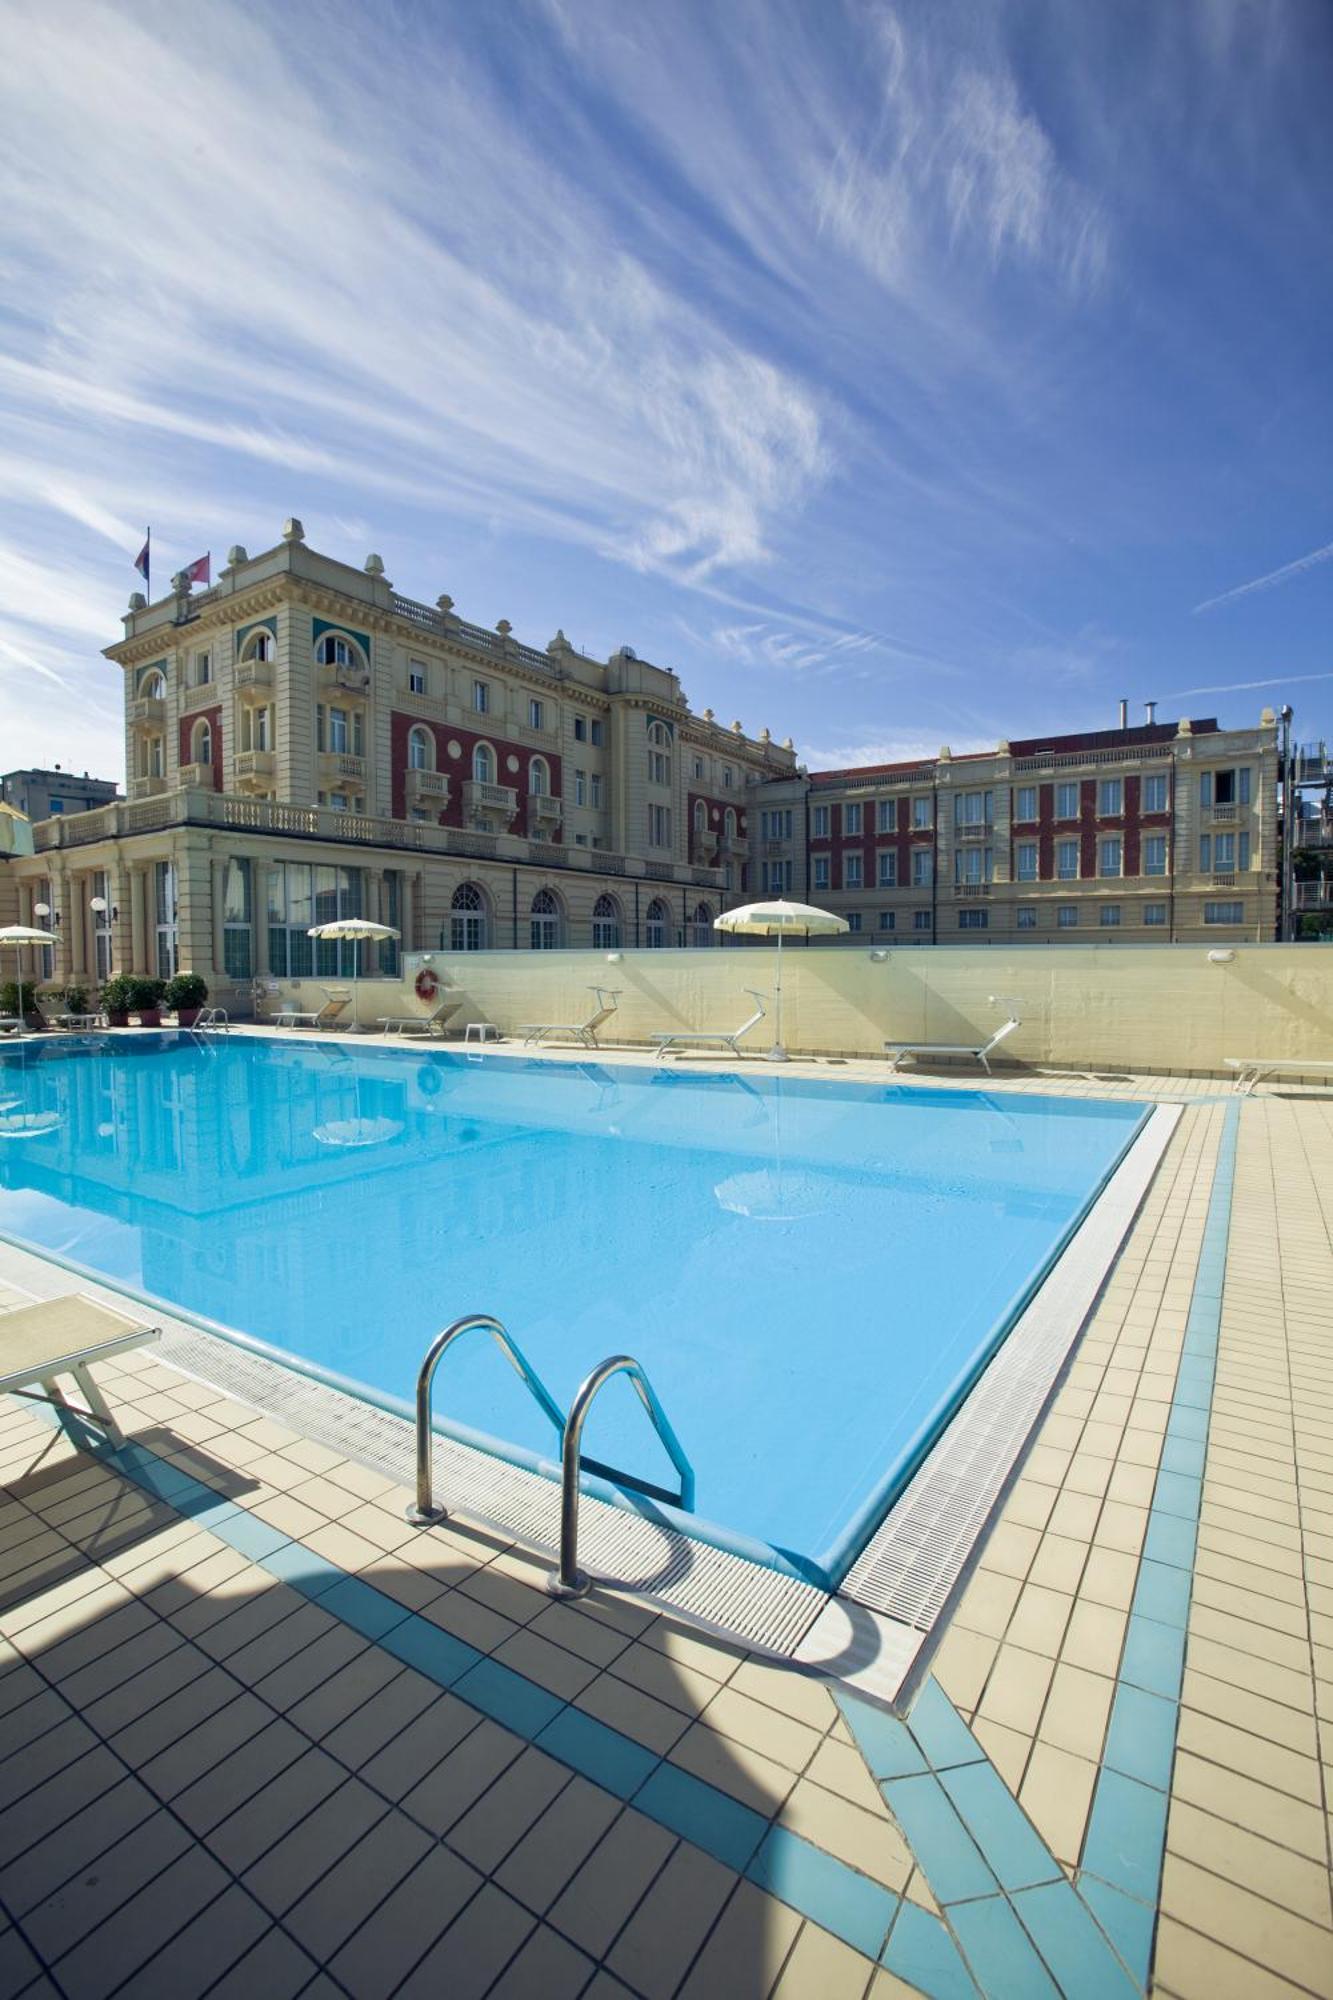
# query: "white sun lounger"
[[901, 1052], [422, 1024], [331, 1010], [711, 1037], [10, 1024], [1253, 1069], [60, 1337], [585, 1032]]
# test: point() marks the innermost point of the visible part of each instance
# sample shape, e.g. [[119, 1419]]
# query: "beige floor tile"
[[734, 1768], [654, 1951], [1076, 1712], [961, 1665], [1094, 1638], [741, 1720], [746, 1950], [1016, 1691], [1008, 1749], [1188, 1966], [822, 1967], [1234, 1917], [1270, 1814], [1240, 1855], [1039, 1620], [1056, 1794], [867, 1841], [987, 1603], [841, 1768]]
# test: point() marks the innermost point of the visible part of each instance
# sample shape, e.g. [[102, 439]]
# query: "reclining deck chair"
[[900, 1052], [724, 1037], [422, 1024], [585, 1032], [60, 1337], [326, 1015]]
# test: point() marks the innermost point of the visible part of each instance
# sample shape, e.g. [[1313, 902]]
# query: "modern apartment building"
[[1150, 831], [43, 794], [302, 742]]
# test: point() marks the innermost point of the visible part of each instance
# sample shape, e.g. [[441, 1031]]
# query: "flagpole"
[[148, 565]]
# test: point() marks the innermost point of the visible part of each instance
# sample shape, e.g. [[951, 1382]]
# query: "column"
[[140, 959], [259, 914], [219, 889]]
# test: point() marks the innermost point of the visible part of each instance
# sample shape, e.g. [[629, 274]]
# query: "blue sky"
[[900, 374]]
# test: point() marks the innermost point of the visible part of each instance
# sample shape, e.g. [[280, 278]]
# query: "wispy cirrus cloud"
[[1271, 580]]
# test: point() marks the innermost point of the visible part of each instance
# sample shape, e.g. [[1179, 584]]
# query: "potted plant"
[[147, 1000], [185, 996], [117, 998], [33, 1018], [76, 1000]]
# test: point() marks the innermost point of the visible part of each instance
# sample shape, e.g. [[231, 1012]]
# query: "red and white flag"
[[200, 571]]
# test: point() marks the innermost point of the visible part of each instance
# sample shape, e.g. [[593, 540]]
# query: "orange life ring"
[[426, 985]]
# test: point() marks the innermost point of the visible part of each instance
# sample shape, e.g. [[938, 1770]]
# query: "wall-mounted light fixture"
[[878, 957], [613, 957], [101, 908], [1221, 957], [44, 911]]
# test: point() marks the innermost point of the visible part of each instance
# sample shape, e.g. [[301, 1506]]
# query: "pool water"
[[811, 1272]]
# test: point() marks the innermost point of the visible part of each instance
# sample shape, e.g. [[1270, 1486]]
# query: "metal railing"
[[568, 1580], [424, 1511]]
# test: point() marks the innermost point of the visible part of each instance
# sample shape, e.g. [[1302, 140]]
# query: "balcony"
[[544, 814], [1222, 812], [255, 768], [975, 830], [491, 808], [970, 889], [254, 678], [341, 767], [736, 845], [1317, 895], [350, 677], [197, 777], [148, 711], [146, 788], [703, 845], [427, 788]]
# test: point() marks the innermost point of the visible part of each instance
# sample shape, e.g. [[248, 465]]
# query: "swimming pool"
[[812, 1273]]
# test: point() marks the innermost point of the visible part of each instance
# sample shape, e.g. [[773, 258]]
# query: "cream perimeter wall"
[[1164, 1007]]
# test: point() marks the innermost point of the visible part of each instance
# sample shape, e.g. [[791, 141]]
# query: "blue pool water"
[[810, 1272]]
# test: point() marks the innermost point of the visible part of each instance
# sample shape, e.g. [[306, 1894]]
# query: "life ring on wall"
[[426, 984]]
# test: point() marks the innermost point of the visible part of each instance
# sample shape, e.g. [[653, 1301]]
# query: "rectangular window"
[[1067, 916], [973, 920], [1066, 802], [580, 728], [1224, 788], [1066, 860], [1224, 852], [1025, 860], [416, 677], [851, 871], [1224, 913], [1109, 916], [596, 734], [775, 825], [1154, 913], [888, 871], [580, 788], [1109, 855], [698, 767], [481, 698], [921, 920], [1243, 851], [921, 817], [165, 912], [1243, 785], [1027, 917], [237, 922], [820, 871], [775, 878], [973, 808], [887, 920], [298, 896], [203, 669], [536, 715], [1206, 853], [1025, 803], [1111, 798], [728, 777], [922, 867], [1154, 793], [659, 826], [1154, 854], [851, 819], [819, 823], [595, 789], [339, 738], [1205, 788], [973, 864], [853, 920], [886, 816]]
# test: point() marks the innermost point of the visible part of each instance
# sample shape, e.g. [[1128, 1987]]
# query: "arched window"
[[332, 650], [655, 925], [544, 922], [483, 765], [659, 754], [729, 823], [468, 919], [153, 686], [700, 816], [606, 924], [201, 744], [701, 924], [539, 778], [420, 750], [259, 646]]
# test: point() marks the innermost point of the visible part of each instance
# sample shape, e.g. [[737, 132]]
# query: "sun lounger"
[[585, 1032], [711, 1037], [1253, 1069], [10, 1024], [60, 1337], [421, 1024], [901, 1052], [326, 1015]]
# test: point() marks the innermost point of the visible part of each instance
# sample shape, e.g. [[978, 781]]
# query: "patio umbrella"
[[777, 919], [354, 931], [18, 935]]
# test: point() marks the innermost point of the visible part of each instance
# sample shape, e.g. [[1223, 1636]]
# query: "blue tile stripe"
[[834, 1895], [1018, 1924]]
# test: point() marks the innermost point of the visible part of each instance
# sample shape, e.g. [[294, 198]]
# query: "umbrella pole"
[[778, 1053]]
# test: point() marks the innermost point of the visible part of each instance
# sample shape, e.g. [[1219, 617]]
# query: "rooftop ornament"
[[292, 531], [138, 602], [374, 565], [236, 554]]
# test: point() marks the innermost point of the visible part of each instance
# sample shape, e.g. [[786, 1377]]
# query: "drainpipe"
[[513, 906]]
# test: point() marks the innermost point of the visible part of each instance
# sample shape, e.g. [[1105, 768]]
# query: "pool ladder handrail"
[[568, 1580], [424, 1511]]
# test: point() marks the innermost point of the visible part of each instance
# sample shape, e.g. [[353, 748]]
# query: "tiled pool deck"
[[259, 1737]]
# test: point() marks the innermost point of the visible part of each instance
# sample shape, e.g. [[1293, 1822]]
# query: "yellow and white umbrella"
[[779, 919], [354, 931], [18, 935]]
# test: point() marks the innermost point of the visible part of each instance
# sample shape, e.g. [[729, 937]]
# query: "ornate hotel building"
[[303, 743], [1148, 832]]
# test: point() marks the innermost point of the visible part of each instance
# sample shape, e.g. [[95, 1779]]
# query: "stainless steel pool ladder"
[[425, 1511], [568, 1580]]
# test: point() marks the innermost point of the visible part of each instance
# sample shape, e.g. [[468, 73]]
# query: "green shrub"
[[187, 989], [117, 995], [147, 994]]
